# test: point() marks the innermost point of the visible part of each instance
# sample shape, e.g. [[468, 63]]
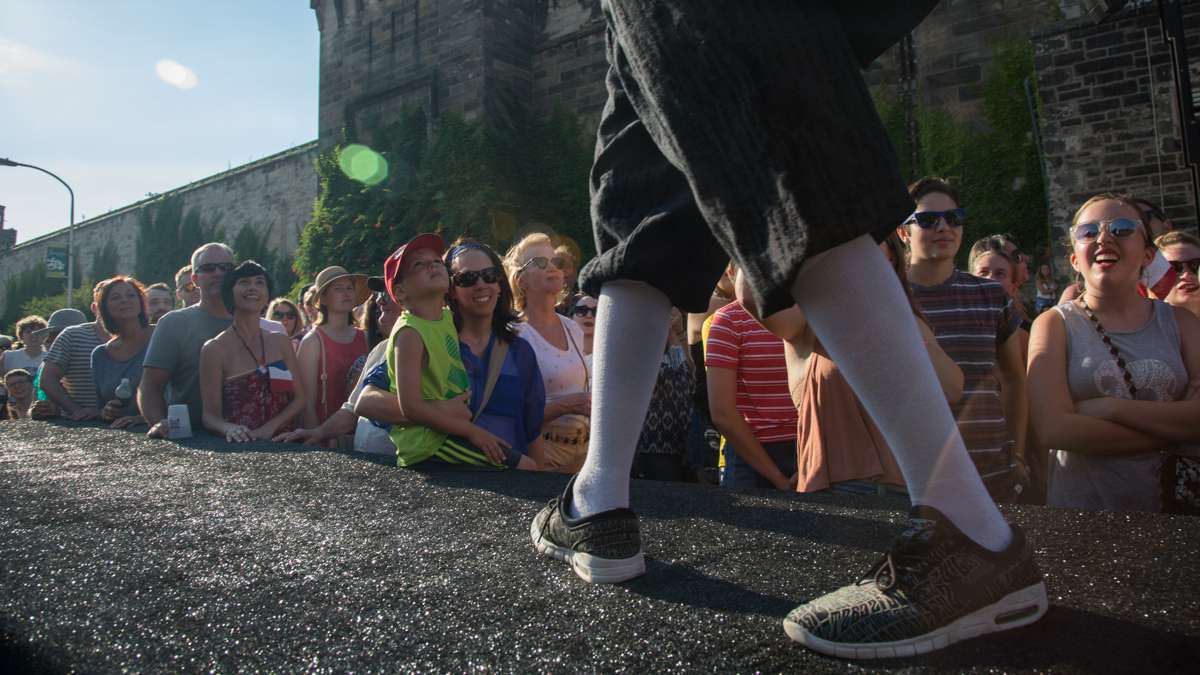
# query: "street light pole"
[[4, 161]]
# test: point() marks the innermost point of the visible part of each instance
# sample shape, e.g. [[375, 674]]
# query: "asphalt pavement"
[[121, 553]]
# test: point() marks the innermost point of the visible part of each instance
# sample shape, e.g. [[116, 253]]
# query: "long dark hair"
[[369, 323], [503, 316], [899, 257], [105, 289]]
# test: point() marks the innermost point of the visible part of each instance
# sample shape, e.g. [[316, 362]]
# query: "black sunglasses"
[[1119, 228], [288, 314], [928, 220], [490, 275], [208, 268], [1180, 265], [583, 310]]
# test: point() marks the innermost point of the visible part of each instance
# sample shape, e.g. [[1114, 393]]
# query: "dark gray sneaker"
[[934, 588], [604, 548]]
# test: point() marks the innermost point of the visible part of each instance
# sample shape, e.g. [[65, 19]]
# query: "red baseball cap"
[[395, 262]]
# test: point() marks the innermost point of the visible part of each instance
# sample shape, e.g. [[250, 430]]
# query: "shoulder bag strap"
[[587, 377], [324, 372], [495, 363]]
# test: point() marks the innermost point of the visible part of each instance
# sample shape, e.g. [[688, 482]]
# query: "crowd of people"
[[456, 354]]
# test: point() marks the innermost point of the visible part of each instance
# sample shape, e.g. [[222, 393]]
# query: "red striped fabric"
[[737, 342]]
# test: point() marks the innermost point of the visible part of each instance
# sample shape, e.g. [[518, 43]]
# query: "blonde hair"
[[300, 322], [32, 321], [514, 259], [1176, 238]]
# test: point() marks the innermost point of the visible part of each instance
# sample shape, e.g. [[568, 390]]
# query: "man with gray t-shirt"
[[170, 372]]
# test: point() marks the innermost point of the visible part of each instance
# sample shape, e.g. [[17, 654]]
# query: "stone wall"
[[378, 56], [274, 195], [569, 62], [1108, 116]]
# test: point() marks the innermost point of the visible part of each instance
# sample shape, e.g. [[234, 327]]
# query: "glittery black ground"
[[122, 553]]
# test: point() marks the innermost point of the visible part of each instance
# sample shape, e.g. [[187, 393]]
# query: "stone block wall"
[[569, 61], [274, 195], [954, 46], [1108, 115]]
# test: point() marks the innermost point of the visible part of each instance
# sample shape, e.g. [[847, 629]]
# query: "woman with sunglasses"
[[976, 323], [536, 277], [583, 310], [1109, 371], [482, 302], [288, 315]]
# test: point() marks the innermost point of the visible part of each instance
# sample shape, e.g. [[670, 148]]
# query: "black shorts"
[[743, 130]]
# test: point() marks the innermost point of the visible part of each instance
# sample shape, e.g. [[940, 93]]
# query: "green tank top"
[[442, 378]]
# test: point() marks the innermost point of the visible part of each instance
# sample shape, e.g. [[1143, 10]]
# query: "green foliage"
[[166, 238], [106, 262], [249, 244], [45, 305], [996, 169], [491, 181], [25, 285]]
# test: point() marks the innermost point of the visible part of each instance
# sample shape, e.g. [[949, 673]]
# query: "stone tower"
[[474, 57]]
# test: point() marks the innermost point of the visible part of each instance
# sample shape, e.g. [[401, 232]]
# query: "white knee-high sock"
[[856, 307], [631, 331]]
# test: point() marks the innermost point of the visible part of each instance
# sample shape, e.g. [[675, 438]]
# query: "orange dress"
[[837, 440]]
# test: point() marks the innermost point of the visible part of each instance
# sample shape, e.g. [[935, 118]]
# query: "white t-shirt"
[[563, 372]]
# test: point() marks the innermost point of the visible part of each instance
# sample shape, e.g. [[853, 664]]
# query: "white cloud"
[[176, 74], [19, 61]]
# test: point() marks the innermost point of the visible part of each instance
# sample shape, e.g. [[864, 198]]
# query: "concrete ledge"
[[122, 553]]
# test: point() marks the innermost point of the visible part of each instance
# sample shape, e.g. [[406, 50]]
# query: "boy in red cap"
[[426, 366]]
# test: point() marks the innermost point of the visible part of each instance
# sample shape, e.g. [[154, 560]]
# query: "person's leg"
[[765, 112], [857, 309], [631, 328]]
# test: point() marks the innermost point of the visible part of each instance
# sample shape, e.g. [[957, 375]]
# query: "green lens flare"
[[363, 164]]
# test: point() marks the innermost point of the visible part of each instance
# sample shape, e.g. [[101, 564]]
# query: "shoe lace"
[[907, 559], [550, 506]]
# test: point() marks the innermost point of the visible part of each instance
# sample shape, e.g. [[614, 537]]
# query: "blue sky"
[[80, 96]]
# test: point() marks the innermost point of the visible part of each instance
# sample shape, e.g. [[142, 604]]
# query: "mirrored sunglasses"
[[1119, 228], [928, 220]]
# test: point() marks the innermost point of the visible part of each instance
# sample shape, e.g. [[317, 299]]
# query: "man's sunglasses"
[[490, 275], [209, 268], [542, 262], [927, 220], [281, 315], [583, 310], [1180, 265], [1118, 227]]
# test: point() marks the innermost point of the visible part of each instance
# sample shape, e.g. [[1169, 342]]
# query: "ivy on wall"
[[492, 181], [166, 238], [995, 168]]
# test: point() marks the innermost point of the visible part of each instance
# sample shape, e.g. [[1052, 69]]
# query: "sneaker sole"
[[590, 568], [1014, 610]]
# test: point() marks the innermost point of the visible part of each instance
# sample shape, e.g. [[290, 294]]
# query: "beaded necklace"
[[1112, 348]]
